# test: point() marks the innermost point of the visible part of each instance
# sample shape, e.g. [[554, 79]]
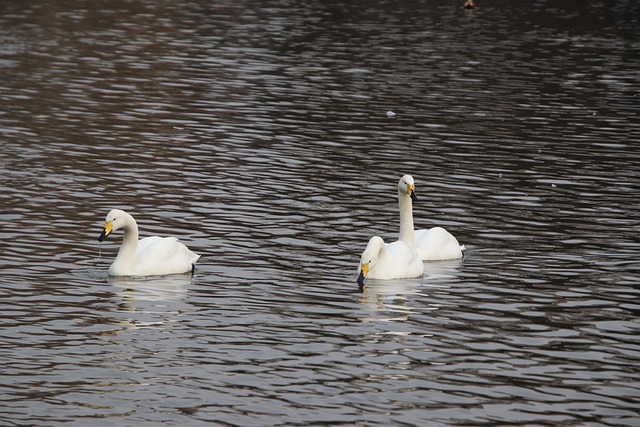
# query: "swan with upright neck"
[[399, 259], [151, 256], [432, 244]]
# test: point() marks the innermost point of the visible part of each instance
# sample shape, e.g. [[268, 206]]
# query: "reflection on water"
[[162, 288], [392, 299], [257, 133]]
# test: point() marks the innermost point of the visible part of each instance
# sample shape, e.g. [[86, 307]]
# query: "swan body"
[[431, 244], [436, 244], [387, 261], [150, 256], [397, 260]]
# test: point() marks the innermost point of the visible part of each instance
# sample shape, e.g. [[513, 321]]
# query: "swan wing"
[[404, 260], [163, 255], [399, 262], [437, 244]]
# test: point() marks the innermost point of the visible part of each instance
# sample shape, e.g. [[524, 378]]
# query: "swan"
[[399, 259], [432, 244], [387, 261], [150, 256]]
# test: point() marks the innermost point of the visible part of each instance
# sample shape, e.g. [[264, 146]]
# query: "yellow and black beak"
[[411, 191], [108, 228], [364, 269]]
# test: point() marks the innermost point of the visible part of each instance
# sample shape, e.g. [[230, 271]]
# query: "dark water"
[[257, 132]]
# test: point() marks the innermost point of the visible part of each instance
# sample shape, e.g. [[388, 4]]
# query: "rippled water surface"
[[257, 132]]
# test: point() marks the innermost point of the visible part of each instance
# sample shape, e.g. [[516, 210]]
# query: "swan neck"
[[382, 254], [407, 233], [130, 240]]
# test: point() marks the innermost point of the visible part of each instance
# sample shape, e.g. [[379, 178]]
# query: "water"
[[257, 133]]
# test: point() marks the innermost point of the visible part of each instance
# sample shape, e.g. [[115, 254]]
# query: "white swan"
[[431, 244], [397, 260], [150, 256], [387, 261]]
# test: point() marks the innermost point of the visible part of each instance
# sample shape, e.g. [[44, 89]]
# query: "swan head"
[[115, 220], [406, 186], [369, 258]]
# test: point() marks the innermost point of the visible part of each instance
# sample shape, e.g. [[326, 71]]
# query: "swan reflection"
[[392, 300], [442, 270], [144, 293], [389, 298]]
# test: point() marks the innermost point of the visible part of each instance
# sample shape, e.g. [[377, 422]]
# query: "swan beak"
[[108, 228], [411, 191], [363, 272]]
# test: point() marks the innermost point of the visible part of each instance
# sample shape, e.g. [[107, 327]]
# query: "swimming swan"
[[431, 244], [397, 260], [150, 256]]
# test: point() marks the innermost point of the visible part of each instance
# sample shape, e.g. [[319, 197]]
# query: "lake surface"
[[269, 137]]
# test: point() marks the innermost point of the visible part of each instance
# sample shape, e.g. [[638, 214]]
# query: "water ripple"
[[258, 134]]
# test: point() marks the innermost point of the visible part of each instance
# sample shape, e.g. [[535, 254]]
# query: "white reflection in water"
[[137, 292], [392, 299], [442, 270]]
